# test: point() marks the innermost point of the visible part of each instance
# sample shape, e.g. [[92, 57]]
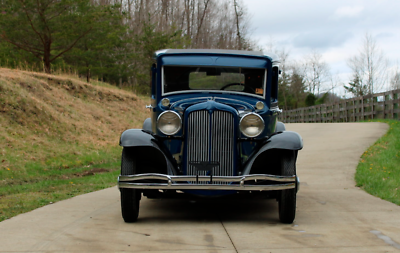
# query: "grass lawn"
[[378, 172], [23, 192], [59, 137]]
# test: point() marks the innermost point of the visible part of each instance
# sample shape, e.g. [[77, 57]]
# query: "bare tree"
[[284, 81], [370, 65], [316, 73], [395, 80], [238, 17]]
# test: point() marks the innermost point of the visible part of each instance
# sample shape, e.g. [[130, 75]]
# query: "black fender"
[[281, 141], [280, 127], [136, 138], [147, 125], [151, 157]]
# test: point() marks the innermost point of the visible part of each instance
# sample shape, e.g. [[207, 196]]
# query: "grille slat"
[[210, 138]]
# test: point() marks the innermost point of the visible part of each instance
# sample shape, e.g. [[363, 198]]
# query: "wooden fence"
[[383, 105]]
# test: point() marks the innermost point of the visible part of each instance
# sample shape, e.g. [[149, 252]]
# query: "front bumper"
[[258, 182]]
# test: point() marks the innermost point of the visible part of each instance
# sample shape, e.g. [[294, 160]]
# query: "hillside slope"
[[57, 128]]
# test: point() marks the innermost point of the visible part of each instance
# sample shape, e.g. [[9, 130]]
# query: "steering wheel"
[[240, 84]]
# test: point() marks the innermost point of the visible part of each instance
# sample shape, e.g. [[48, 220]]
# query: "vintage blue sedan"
[[213, 132]]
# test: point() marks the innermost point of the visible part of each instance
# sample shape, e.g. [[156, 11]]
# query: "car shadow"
[[202, 210]]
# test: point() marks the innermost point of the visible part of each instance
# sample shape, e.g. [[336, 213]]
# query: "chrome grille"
[[211, 138]]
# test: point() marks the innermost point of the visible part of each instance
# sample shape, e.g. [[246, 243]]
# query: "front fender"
[[286, 140], [149, 151], [136, 138]]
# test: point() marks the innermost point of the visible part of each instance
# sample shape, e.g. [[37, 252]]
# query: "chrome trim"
[[180, 119], [170, 182], [158, 52], [210, 138], [235, 187], [276, 110], [129, 178], [297, 184], [198, 140]]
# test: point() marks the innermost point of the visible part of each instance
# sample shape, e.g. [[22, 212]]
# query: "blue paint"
[[212, 100]]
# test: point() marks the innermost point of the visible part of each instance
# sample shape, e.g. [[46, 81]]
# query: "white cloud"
[[335, 28], [348, 11]]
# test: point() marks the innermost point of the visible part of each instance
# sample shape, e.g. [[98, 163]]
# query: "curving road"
[[333, 215]]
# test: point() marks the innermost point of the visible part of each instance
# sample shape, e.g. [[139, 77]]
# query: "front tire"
[[287, 198], [130, 198]]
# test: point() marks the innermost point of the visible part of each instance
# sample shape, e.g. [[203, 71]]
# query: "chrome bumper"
[[238, 182]]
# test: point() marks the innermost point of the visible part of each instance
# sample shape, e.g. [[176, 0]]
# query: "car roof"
[[272, 56]]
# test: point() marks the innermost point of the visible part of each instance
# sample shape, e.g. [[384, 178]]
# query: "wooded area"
[[113, 40], [383, 105]]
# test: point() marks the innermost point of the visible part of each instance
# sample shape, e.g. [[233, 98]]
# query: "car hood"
[[240, 106]]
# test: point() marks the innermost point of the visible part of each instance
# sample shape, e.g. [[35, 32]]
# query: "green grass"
[[40, 185], [378, 172], [59, 137]]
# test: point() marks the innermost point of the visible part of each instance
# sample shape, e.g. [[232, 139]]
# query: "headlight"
[[251, 125], [259, 105], [169, 122], [165, 102]]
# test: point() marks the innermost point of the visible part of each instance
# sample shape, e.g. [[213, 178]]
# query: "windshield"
[[234, 79]]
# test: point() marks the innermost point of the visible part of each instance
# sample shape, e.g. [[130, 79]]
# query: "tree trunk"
[[238, 15], [88, 75], [46, 56]]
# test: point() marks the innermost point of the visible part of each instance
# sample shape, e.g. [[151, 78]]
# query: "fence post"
[[362, 107], [349, 110], [391, 106], [372, 106]]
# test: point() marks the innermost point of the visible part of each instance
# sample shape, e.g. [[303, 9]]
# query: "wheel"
[[287, 198], [130, 198]]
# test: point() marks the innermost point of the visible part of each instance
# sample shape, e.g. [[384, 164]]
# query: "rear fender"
[[150, 155], [268, 154]]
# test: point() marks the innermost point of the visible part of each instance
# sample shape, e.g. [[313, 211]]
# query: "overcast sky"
[[335, 29]]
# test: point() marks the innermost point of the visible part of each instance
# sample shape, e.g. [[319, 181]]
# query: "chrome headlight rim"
[[243, 118], [180, 122]]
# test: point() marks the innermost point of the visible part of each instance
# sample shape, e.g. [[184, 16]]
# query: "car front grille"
[[210, 138]]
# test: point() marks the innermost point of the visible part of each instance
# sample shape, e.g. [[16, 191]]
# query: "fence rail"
[[383, 105]]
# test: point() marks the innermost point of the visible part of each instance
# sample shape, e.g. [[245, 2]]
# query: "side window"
[[153, 79]]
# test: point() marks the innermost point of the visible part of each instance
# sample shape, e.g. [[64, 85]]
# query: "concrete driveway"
[[333, 215]]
